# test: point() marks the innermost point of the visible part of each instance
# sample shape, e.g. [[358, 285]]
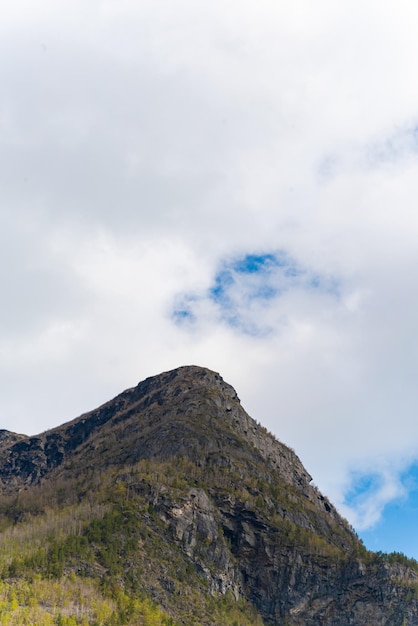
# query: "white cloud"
[[369, 492], [145, 145]]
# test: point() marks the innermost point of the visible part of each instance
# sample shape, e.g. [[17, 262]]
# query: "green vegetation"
[[66, 561], [101, 550], [393, 558], [216, 521]]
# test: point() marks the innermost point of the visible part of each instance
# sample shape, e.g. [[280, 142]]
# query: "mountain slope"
[[171, 493]]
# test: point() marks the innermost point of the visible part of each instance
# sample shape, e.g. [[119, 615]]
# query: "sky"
[[227, 184]]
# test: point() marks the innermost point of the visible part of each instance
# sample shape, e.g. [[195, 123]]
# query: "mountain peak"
[[176, 460]]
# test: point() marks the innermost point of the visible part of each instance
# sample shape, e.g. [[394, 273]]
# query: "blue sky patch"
[[246, 288], [183, 314], [183, 310], [363, 486], [396, 529], [253, 263]]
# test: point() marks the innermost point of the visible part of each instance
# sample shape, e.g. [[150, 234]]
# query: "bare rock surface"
[[245, 515]]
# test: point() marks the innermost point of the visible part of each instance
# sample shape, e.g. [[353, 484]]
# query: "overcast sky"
[[227, 184]]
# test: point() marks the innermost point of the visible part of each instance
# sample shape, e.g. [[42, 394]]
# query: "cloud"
[[391, 153], [369, 494], [245, 292], [228, 185]]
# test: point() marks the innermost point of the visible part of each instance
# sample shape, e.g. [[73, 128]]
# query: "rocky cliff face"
[[235, 505]]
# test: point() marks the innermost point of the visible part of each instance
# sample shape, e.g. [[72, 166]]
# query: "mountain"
[[170, 505]]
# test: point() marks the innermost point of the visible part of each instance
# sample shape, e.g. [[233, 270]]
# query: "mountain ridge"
[[182, 474], [54, 443]]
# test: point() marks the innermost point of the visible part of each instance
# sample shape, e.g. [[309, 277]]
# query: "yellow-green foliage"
[[228, 612], [25, 538], [68, 560], [71, 601], [80, 554], [39, 557], [44, 602]]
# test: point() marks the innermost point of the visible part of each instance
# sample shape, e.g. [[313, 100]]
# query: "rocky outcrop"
[[7, 439], [238, 551], [238, 505]]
